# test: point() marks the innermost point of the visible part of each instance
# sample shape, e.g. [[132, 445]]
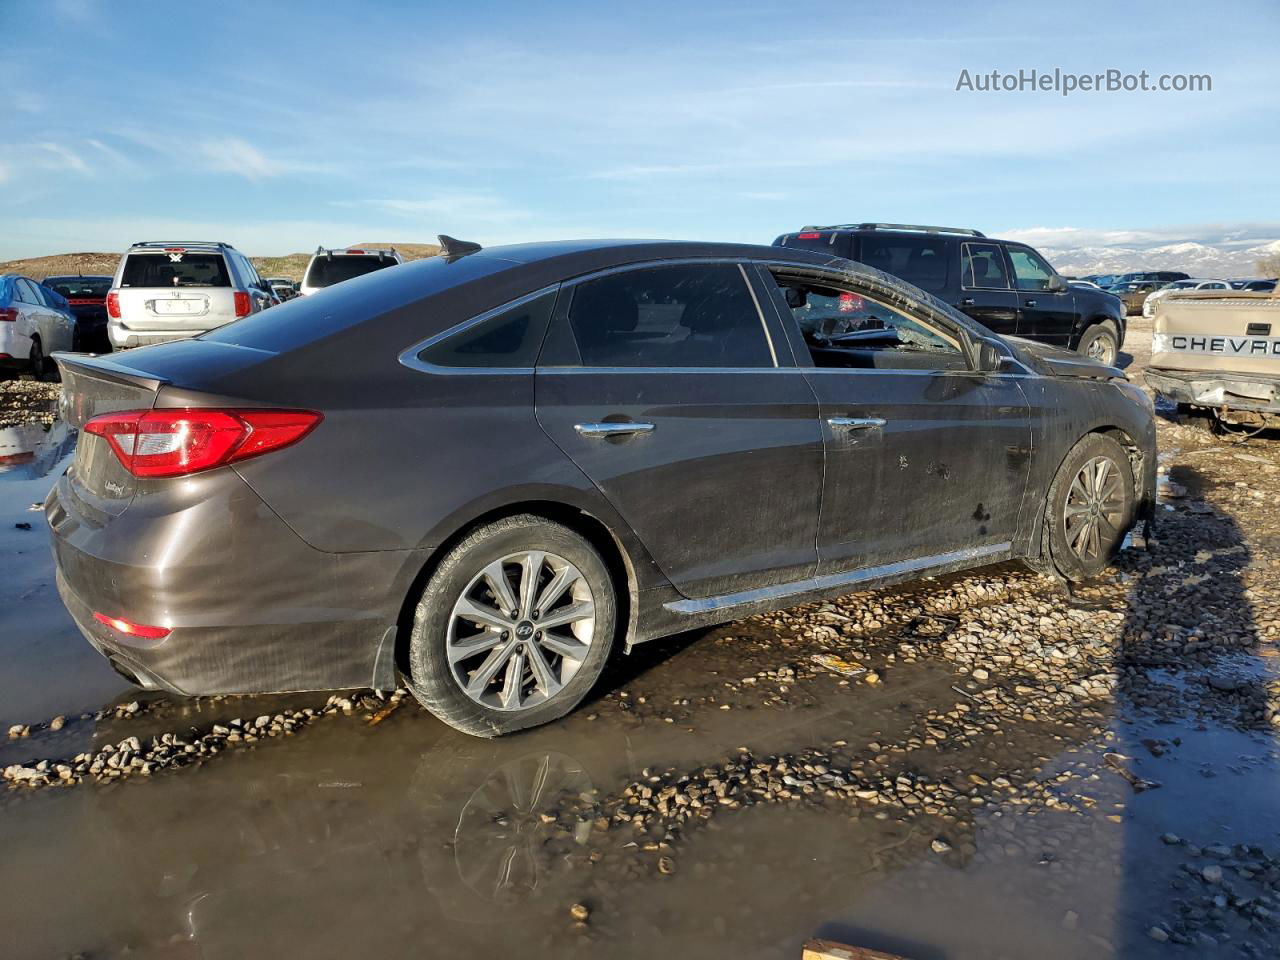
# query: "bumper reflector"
[[131, 629]]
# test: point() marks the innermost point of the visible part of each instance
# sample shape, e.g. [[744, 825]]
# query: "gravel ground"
[[981, 765]]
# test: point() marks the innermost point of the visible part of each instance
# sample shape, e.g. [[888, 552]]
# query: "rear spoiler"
[[104, 368]]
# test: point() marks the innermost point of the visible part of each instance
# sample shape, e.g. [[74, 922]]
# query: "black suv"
[[1007, 287]]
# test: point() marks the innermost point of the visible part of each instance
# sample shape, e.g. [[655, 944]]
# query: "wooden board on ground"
[[830, 950]]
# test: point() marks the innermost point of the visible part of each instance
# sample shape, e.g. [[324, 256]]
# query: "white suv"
[[328, 267], [171, 290]]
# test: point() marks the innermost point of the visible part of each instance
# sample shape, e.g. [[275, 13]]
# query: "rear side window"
[[698, 315], [326, 271], [26, 292], [923, 261], [983, 267], [509, 338], [175, 270]]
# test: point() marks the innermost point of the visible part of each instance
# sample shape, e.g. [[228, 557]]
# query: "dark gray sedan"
[[485, 472]]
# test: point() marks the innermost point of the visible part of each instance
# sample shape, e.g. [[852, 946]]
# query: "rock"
[[57, 723], [18, 730], [1157, 934], [666, 866], [580, 912], [940, 846], [1212, 873]]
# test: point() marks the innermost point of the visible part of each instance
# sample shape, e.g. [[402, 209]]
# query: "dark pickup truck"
[[1007, 287]]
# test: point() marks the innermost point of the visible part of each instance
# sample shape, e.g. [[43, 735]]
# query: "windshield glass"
[[175, 270], [326, 271]]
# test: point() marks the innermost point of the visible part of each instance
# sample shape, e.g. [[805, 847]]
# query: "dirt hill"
[[104, 264]]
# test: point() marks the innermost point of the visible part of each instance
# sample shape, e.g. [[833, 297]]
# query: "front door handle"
[[601, 430], [967, 302], [854, 423], [1029, 303]]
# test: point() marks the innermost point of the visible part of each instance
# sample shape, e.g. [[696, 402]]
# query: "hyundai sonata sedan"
[[483, 473]]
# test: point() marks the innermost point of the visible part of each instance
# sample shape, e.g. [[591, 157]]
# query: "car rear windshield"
[[81, 287], [326, 271], [175, 270]]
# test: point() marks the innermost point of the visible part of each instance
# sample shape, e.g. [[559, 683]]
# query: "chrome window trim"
[[410, 358], [764, 325]]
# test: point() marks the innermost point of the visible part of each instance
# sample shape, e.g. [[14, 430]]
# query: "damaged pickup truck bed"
[[486, 471], [1219, 352]]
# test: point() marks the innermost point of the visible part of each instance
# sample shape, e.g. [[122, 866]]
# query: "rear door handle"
[[854, 423], [601, 430], [1029, 303], [967, 302]]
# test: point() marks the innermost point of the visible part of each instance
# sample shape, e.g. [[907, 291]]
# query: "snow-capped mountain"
[[1228, 258]]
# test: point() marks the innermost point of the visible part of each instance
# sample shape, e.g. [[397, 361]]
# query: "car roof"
[[599, 254], [76, 276]]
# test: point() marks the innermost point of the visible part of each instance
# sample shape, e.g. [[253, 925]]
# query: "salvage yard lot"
[[976, 766]]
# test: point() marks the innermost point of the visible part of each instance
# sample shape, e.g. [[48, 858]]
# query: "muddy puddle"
[[973, 767]]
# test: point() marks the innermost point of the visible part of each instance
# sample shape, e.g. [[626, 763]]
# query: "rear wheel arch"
[[617, 559]]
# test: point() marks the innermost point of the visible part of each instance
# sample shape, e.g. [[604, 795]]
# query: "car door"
[[985, 291], [663, 384], [1043, 314], [61, 329], [927, 460]]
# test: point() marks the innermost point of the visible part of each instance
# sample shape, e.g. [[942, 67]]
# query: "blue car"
[[35, 322]]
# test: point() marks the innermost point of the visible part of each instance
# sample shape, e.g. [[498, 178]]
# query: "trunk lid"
[[92, 386]]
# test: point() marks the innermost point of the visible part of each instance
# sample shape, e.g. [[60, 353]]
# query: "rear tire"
[[1090, 507], [42, 368], [1101, 342], [513, 629]]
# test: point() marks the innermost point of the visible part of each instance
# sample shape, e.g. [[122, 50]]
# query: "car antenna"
[[451, 249]]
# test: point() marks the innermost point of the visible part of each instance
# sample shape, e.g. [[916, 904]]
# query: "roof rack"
[[181, 243], [963, 231]]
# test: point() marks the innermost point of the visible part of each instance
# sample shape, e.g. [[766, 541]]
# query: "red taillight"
[[8, 314], [84, 301], [175, 249], [808, 236], [131, 629], [355, 251], [113, 305], [174, 443], [242, 304]]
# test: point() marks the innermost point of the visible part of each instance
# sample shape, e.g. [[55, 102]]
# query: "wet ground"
[[978, 766]]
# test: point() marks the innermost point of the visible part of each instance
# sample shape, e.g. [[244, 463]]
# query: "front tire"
[[513, 629], [1090, 507], [1101, 342]]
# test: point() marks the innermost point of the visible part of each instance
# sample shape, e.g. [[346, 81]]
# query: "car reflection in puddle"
[[29, 451]]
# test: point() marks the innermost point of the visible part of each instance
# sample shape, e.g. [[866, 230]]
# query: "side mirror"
[[1056, 284], [990, 356]]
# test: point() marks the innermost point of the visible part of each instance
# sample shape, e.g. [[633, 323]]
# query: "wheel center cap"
[[524, 629]]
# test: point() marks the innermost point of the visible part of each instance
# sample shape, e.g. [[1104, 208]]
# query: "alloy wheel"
[[1094, 509], [520, 630], [1102, 350]]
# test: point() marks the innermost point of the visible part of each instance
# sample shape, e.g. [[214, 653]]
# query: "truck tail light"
[[808, 236], [243, 305], [175, 443], [113, 305]]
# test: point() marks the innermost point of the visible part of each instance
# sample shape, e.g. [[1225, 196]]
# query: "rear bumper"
[[251, 608], [1217, 389]]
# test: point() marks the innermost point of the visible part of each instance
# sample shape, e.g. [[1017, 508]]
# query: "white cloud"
[[233, 155], [64, 158]]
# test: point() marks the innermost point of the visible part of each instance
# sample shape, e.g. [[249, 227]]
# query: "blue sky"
[[279, 126]]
